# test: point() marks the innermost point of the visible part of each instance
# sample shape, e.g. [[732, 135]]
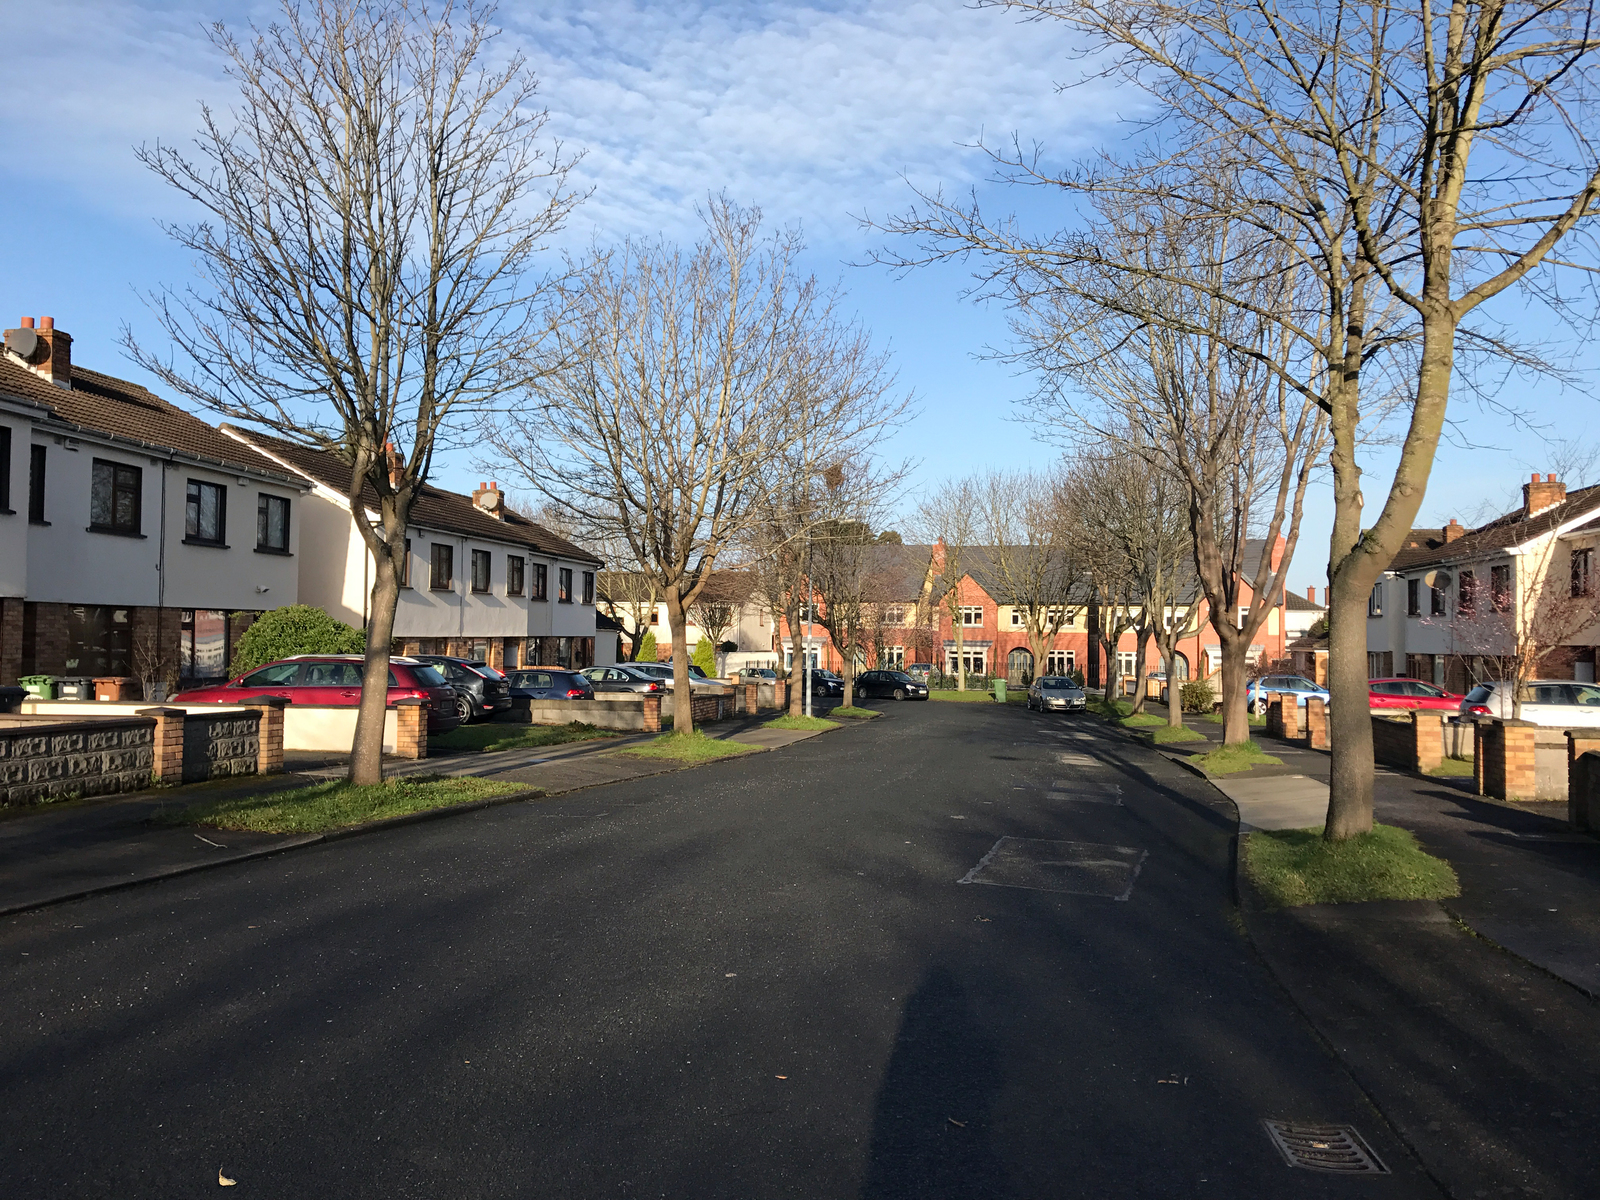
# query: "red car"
[[1410, 693], [335, 679]]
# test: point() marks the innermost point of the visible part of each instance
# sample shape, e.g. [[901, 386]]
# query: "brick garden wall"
[[43, 760]]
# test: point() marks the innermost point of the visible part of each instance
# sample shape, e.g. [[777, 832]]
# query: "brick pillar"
[[269, 734], [751, 701], [780, 695], [652, 713], [166, 764], [1317, 722], [1505, 767], [1579, 743], [1427, 740], [411, 729], [1275, 714], [1291, 718], [10, 641]]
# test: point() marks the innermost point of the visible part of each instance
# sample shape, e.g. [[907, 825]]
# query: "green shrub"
[[647, 648], [705, 656], [1196, 696], [294, 629]]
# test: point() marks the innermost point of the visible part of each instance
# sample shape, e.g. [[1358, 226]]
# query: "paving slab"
[[1276, 801]]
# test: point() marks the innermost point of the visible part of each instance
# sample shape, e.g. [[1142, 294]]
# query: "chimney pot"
[[27, 322], [47, 322], [1542, 494], [1536, 477], [1550, 478]]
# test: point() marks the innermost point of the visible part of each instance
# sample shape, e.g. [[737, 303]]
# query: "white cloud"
[[811, 110]]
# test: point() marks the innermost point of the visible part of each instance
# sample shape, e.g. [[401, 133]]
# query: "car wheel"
[[464, 708], [899, 693]]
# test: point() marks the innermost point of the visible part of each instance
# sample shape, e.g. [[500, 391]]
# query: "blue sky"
[[817, 112]]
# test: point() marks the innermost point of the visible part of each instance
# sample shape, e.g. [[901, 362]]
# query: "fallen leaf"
[[224, 1181], [985, 920], [956, 1123], [780, 1077], [731, 975]]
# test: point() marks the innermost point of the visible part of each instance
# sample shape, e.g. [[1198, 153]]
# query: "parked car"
[[895, 684], [335, 679], [1558, 703], [826, 683], [1056, 693], [1410, 693], [698, 680], [758, 675], [622, 677], [921, 672], [1255, 696], [481, 691], [549, 683]]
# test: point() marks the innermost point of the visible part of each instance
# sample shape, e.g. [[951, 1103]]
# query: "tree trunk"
[[956, 633], [1139, 670], [1112, 675], [1349, 723], [796, 661], [1235, 720], [682, 691], [366, 751], [1169, 661]]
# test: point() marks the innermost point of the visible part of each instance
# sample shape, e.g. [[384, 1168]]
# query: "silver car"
[[698, 681], [623, 677], [1056, 693], [1555, 703]]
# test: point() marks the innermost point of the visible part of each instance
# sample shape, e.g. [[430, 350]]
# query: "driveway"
[[960, 951]]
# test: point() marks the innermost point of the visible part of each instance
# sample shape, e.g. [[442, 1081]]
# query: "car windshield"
[[900, 675], [696, 671], [1426, 689], [427, 676], [1478, 694], [1054, 684]]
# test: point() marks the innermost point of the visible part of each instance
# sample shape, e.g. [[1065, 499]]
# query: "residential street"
[[758, 978]]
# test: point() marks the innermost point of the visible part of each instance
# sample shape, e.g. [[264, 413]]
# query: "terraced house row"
[[138, 542]]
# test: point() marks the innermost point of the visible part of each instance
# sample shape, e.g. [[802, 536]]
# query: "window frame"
[[264, 503], [135, 528], [1583, 572], [194, 509], [1375, 600], [539, 588], [1467, 593], [1500, 587], [971, 616], [519, 573], [405, 566], [37, 461], [564, 585], [1437, 604], [477, 559], [1413, 597], [5, 469], [449, 560], [588, 587]]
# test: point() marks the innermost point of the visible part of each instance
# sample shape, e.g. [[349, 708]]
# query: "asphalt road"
[[759, 978]]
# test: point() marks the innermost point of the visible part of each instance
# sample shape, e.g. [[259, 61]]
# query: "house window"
[[5, 468], [1127, 662], [205, 513], [894, 614], [1500, 588], [1582, 561], [1059, 662], [480, 570], [1016, 617], [893, 658], [972, 660], [1467, 594], [971, 614], [588, 587], [442, 572], [1244, 615], [564, 585], [36, 485], [203, 644], [1413, 597], [272, 527], [1436, 602], [541, 581], [655, 616], [1375, 601], [114, 497], [515, 564]]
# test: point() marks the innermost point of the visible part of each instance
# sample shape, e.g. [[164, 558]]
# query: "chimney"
[[1541, 495], [491, 500], [1453, 530], [46, 351], [397, 464], [1311, 593]]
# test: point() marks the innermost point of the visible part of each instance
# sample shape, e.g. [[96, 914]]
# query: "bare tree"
[[949, 518], [717, 608], [372, 215], [629, 595], [1027, 519], [1353, 124], [844, 560]]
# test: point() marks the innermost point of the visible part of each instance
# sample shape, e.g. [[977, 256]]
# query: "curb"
[[304, 840]]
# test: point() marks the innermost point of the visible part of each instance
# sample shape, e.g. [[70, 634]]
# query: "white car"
[[1557, 703], [698, 681]]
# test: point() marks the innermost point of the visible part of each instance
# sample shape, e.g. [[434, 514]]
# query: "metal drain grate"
[[1336, 1148], [1076, 868]]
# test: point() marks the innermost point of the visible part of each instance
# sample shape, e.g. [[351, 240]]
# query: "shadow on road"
[[931, 1124]]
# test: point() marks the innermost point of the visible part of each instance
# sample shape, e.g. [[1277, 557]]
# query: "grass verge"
[[1290, 867], [788, 722], [686, 747], [1456, 768], [1112, 710], [337, 805], [1169, 733], [854, 713], [963, 697], [1142, 721], [517, 737], [1226, 760], [1216, 719]]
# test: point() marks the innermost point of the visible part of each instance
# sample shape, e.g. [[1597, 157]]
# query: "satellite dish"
[[1438, 580], [22, 342]]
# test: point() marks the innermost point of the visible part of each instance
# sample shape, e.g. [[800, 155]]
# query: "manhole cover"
[[1336, 1148], [1076, 868]]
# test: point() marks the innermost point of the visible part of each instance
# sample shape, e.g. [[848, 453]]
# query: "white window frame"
[[972, 616]]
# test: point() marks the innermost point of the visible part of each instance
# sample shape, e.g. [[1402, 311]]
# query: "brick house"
[[916, 624], [135, 539], [481, 580], [623, 594], [1452, 597]]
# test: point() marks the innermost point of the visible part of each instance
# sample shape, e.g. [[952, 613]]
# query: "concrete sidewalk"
[[62, 852]]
